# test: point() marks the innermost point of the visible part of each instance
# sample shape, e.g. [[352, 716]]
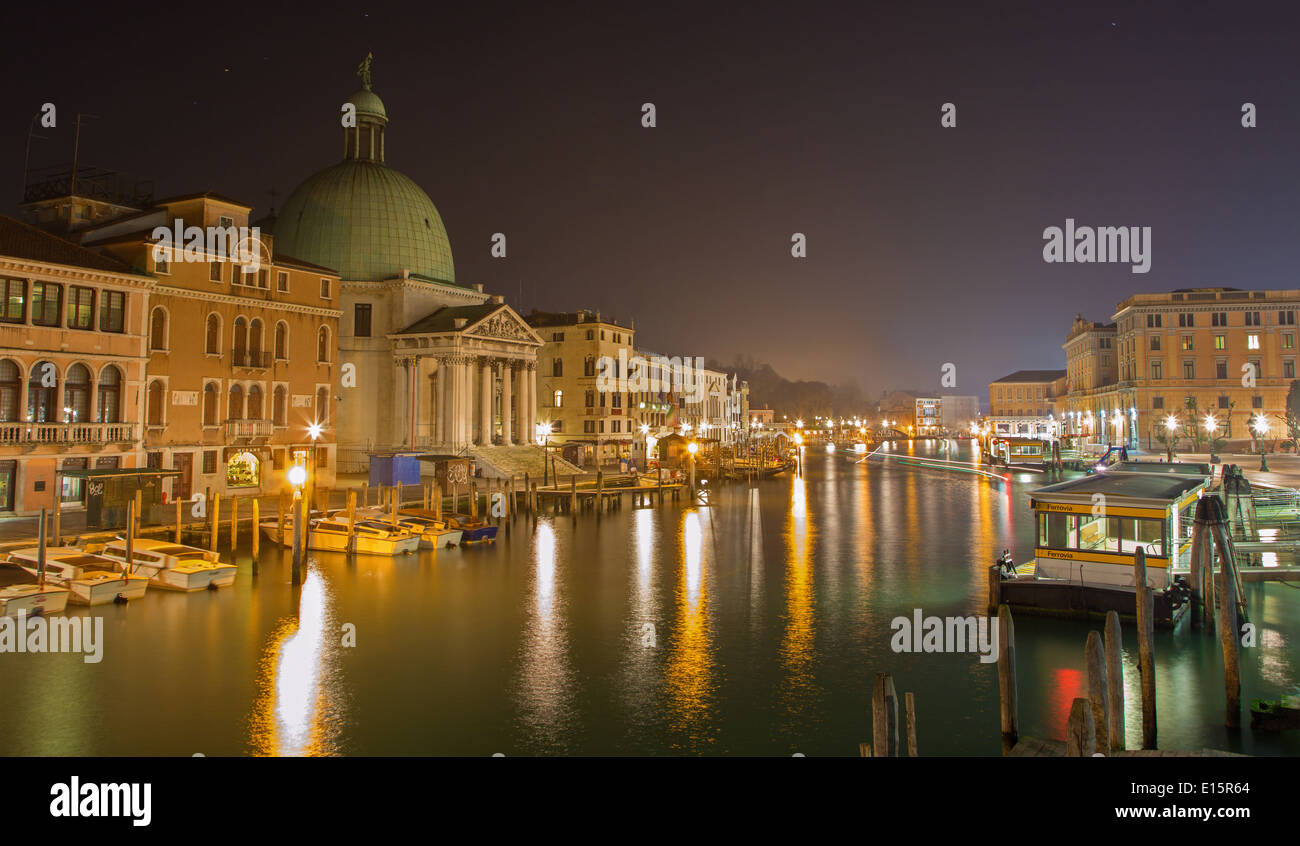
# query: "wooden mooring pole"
[[1098, 688], [1146, 647], [1007, 691], [884, 717], [1114, 683], [1080, 733]]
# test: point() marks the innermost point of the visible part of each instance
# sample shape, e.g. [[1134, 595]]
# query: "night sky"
[[924, 243]]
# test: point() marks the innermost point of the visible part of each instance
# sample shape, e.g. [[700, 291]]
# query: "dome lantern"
[[365, 141]]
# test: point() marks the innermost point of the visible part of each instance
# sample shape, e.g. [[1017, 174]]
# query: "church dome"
[[361, 217]]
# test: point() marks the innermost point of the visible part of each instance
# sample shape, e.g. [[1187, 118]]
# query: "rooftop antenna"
[[76, 151], [27, 156]]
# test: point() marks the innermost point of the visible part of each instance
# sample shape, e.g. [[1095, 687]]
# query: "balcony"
[[248, 430], [250, 359], [64, 435]]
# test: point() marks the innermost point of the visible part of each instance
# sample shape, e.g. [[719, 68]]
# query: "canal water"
[[753, 626]]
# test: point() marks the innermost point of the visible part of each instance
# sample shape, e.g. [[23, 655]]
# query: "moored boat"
[[90, 579], [174, 566], [433, 532], [368, 537], [22, 592], [472, 530]]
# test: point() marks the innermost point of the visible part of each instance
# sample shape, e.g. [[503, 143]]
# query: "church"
[[426, 363]]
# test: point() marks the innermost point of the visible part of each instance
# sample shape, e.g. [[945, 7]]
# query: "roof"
[[1159, 487], [24, 241], [202, 195], [1032, 376], [581, 317], [444, 319]]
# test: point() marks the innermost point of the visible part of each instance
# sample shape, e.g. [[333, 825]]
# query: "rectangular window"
[[163, 264], [1220, 370], [557, 336], [1223, 400], [263, 278], [1252, 318], [81, 307], [209, 461], [1186, 342], [1155, 343], [557, 367], [1157, 402], [282, 281], [46, 303], [324, 288], [361, 320], [1256, 402], [1288, 341], [112, 311], [1252, 342], [1189, 370], [1156, 369], [14, 306], [1286, 318], [1220, 342], [1288, 369]]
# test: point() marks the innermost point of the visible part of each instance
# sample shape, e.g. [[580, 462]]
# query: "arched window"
[[110, 395], [76, 394], [210, 404], [278, 406], [212, 345], [559, 399], [158, 329], [322, 406], [240, 345], [282, 341], [154, 404], [43, 393], [11, 389], [236, 409], [254, 402], [255, 342], [323, 344]]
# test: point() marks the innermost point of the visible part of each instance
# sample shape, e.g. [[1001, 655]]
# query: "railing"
[[68, 433], [254, 360], [248, 429]]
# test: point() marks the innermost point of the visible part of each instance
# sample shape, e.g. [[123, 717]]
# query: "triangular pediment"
[[503, 324]]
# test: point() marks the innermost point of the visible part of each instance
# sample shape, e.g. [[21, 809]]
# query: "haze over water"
[[751, 627]]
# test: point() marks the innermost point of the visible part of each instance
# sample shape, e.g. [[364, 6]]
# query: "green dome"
[[368, 102], [367, 221]]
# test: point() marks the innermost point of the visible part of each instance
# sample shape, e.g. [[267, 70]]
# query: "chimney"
[[460, 322], [497, 299]]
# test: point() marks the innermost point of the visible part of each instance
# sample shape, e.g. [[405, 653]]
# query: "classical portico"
[[464, 376]]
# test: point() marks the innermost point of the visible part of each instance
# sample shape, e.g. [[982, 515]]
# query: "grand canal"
[[753, 626]]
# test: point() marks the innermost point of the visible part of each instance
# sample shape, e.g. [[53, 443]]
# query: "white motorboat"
[[90, 579], [434, 533], [21, 591], [330, 534], [174, 566]]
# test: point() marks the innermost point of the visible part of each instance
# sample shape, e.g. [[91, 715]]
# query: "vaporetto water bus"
[[1086, 534]]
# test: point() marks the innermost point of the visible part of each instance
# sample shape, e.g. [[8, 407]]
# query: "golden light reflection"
[[797, 643], [689, 678], [545, 685], [292, 714]]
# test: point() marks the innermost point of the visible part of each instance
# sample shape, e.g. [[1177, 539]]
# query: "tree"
[[1191, 426]]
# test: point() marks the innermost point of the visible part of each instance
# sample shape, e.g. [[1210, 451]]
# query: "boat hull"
[[51, 600], [104, 591]]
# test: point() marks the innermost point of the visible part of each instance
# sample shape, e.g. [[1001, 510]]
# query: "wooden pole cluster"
[[216, 520], [1114, 683], [1080, 733]]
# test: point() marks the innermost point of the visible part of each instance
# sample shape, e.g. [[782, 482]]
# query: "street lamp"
[[1171, 425], [1261, 429], [1210, 426], [543, 433], [692, 448]]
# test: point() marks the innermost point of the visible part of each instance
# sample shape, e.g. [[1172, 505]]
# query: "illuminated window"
[[1252, 342]]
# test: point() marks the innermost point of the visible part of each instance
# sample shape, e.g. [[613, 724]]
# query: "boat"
[[472, 529], [1018, 452], [23, 592], [90, 579], [433, 532], [174, 566], [369, 536], [1088, 531]]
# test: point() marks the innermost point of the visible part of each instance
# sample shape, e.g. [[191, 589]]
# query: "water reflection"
[[689, 682], [797, 648], [293, 714], [544, 689]]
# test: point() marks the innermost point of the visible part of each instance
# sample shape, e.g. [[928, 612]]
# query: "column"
[[485, 402], [532, 397], [454, 405], [507, 374], [414, 413], [465, 418], [402, 387], [526, 433], [440, 403]]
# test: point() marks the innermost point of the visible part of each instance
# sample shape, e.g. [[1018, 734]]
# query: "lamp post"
[[692, 448], [543, 435], [1211, 425], [314, 432], [297, 478], [1171, 426], [1260, 428]]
